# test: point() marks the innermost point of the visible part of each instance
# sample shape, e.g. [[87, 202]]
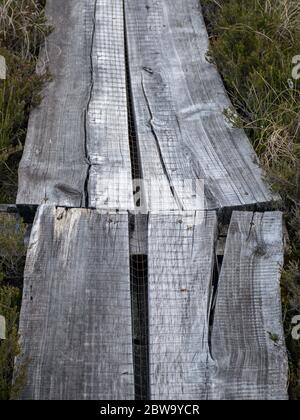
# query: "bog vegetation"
[[23, 29], [253, 44]]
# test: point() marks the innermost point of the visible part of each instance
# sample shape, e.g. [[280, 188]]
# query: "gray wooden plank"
[[247, 338], [180, 268], [110, 179], [54, 167], [178, 101], [157, 192], [77, 147], [76, 313]]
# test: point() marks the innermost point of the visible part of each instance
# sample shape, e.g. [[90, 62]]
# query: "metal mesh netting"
[[139, 301], [138, 261]]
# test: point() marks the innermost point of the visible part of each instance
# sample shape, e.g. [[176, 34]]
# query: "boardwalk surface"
[[181, 261], [239, 353], [54, 166], [116, 304], [76, 312], [77, 150], [247, 338]]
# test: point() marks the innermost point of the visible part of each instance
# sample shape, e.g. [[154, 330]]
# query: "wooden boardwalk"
[[76, 320], [77, 149], [76, 313], [123, 305], [247, 335]]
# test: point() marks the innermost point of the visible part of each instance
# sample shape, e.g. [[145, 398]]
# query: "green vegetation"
[[12, 258], [23, 29], [253, 43], [9, 307]]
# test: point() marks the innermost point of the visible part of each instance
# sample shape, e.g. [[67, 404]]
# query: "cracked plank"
[[247, 340], [179, 99], [75, 321], [110, 179], [157, 192], [53, 167], [180, 268]]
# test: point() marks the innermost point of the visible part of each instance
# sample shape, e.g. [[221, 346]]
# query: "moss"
[[253, 43]]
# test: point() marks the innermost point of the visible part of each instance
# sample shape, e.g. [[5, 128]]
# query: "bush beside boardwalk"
[[254, 44], [23, 29]]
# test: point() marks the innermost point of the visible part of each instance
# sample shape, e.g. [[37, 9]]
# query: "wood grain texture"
[[76, 314], [180, 268], [110, 181], [141, 45], [179, 101], [77, 148], [247, 339], [54, 167]]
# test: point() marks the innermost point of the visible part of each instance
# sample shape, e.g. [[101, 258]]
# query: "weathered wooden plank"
[[110, 179], [157, 192], [77, 147], [180, 268], [178, 101], [54, 167], [247, 338], [76, 314]]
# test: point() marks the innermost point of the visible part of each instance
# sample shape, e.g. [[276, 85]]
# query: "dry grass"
[[23, 26]]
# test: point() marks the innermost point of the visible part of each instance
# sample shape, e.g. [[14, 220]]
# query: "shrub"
[[253, 43], [23, 29], [12, 258], [9, 348]]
